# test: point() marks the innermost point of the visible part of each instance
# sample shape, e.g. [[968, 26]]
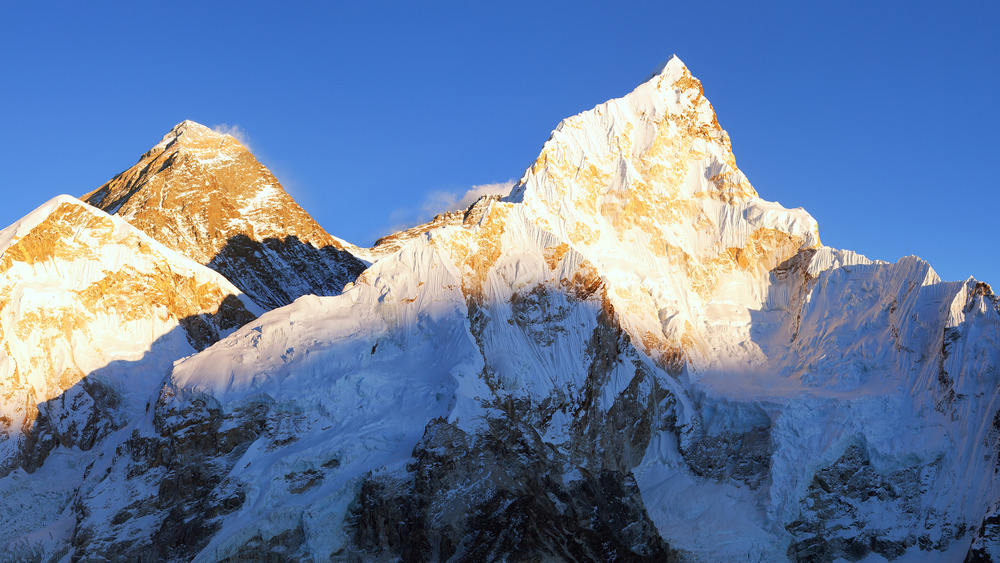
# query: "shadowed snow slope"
[[632, 357]]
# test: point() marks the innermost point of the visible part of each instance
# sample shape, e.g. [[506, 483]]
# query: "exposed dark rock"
[[833, 523], [539, 313], [744, 457], [276, 272], [188, 460], [986, 544], [501, 494], [58, 423], [283, 547]]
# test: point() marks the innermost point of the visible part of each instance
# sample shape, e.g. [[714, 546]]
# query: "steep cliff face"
[[92, 315], [632, 357], [204, 194]]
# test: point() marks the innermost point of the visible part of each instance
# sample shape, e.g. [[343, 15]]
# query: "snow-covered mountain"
[[92, 315], [631, 357], [205, 195]]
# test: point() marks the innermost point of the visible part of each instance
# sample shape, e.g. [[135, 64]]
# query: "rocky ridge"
[[389, 244]]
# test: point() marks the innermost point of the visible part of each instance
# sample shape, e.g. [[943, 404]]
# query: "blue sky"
[[879, 118]]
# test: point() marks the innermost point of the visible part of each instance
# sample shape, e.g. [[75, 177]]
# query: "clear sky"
[[880, 118]]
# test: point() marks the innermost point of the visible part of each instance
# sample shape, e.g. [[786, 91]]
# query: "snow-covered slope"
[[389, 244], [204, 194], [632, 357], [92, 314], [647, 188]]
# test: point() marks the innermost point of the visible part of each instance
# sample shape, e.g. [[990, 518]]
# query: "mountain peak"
[[194, 126], [11, 234], [203, 194], [193, 135], [672, 67], [655, 160]]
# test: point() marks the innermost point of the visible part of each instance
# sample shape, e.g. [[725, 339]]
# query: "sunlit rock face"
[[631, 357], [205, 195]]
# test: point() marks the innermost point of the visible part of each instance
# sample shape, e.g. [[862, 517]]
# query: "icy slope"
[[632, 357], [92, 315], [204, 194]]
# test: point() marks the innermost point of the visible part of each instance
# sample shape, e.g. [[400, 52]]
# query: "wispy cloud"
[[234, 131], [440, 201]]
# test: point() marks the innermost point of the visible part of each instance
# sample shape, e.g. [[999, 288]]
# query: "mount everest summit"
[[203, 194], [631, 357]]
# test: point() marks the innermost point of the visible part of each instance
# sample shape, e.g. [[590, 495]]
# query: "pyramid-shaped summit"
[[191, 133], [202, 193], [672, 63]]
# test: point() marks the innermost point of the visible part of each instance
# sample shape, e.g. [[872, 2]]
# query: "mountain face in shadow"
[[96, 406], [205, 195], [74, 433], [277, 271]]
